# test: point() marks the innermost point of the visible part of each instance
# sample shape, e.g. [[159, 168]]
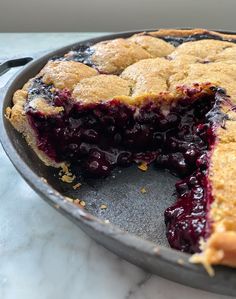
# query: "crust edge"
[[220, 249], [187, 32], [18, 119]]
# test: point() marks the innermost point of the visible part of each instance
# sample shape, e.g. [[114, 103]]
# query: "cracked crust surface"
[[192, 62], [101, 88], [112, 57], [218, 73], [145, 65], [202, 48], [156, 47], [65, 74], [148, 76]]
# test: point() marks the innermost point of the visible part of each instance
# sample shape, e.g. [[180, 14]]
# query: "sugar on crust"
[[101, 88], [156, 47], [111, 57], [65, 74]]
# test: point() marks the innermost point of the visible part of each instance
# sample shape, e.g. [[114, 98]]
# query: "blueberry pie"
[[165, 97]]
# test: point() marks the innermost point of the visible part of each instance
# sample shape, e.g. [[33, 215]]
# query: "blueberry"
[[111, 130], [124, 159], [97, 168], [172, 144], [91, 122], [147, 117], [91, 136], [138, 136], [198, 208], [117, 138], [95, 153], [197, 193], [191, 155], [181, 187], [162, 161], [84, 149], [192, 181], [202, 162], [177, 164], [170, 121], [173, 213], [107, 120], [173, 119], [158, 139], [73, 147]]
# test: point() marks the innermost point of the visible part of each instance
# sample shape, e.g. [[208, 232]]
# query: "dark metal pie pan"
[[136, 230]]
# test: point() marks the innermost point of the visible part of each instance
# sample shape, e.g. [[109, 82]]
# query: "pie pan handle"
[[8, 64], [11, 63]]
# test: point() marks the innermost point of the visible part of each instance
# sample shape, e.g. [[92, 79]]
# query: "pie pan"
[[132, 225]]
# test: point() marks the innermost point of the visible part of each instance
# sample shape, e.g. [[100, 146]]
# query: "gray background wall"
[[114, 15]]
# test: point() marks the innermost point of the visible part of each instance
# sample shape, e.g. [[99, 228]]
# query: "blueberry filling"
[[98, 137], [176, 41]]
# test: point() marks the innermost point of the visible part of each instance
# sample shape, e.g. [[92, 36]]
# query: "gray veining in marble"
[[42, 254]]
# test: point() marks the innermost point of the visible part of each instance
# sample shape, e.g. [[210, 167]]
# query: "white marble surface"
[[42, 254]]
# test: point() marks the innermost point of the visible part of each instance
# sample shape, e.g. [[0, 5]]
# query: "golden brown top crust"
[[227, 55], [181, 61], [192, 62], [218, 73], [101, 88], [112, 57], [154, 46], [66, 74], [185, 65], [202, 48], [148, 76]]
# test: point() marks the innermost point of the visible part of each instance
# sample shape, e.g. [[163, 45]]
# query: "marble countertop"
[[45, 256]]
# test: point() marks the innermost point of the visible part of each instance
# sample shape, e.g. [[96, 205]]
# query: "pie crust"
[[162, 66]]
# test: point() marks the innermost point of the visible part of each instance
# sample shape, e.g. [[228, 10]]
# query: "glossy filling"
[[98, 137]]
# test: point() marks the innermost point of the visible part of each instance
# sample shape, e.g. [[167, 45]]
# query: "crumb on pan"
[[180, 261], [66, 175], [44, 180], [79, 202], [103, 206], [143, 190], [77, 186], [66, 178], [143, 166], [68, 198], [156, 250]]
